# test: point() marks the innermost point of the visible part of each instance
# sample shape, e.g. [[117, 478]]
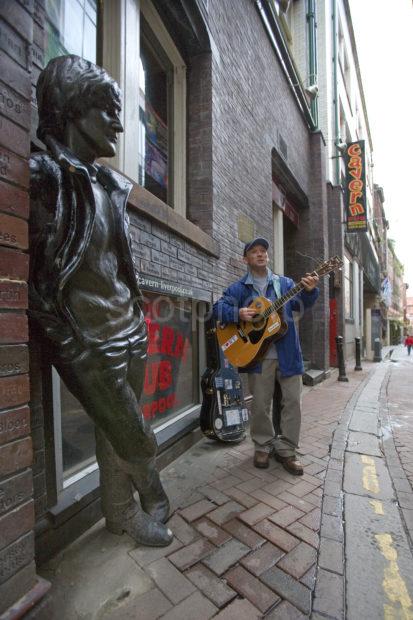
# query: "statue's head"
[[79, 106]]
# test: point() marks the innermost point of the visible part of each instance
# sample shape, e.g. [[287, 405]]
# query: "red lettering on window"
[[151, 378], [168, 337], [165, 375], [153, 340]]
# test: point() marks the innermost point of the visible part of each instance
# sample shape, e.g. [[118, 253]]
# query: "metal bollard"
[[340, 357], [377, 350], [358, 354]]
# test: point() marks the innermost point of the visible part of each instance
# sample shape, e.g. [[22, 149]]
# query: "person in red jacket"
[[408, 343]]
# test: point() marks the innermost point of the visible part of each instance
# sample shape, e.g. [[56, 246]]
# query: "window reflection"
[[71, 28], [153, 121]]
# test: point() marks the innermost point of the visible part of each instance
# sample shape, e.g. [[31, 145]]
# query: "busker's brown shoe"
[[290, 464], [261, 459]]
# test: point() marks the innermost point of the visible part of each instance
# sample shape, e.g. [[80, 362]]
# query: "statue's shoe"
[[143, 529], [154, 500]]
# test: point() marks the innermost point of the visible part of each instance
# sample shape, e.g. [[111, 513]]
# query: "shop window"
[[71, 28], [171, 378]]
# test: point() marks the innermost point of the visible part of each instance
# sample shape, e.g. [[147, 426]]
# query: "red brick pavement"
[[250, 548]]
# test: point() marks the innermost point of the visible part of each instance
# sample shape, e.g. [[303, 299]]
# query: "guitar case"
[[224, 415]]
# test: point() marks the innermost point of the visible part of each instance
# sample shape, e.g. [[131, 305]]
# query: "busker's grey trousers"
[[261, 423]]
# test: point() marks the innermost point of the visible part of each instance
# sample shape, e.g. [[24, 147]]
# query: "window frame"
[[121, 32]]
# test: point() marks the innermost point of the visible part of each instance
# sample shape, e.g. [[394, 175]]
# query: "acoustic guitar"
[[246, 343]]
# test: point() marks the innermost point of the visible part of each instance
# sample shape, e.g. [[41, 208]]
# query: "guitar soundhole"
[[255, 335]]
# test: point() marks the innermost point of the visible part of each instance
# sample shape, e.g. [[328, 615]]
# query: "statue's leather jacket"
[[61, 224]]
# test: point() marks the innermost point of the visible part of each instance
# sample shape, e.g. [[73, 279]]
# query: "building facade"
[[221, 143], [343, 119]]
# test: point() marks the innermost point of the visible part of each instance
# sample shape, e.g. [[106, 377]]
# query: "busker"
[[283, 360], [84, 298]]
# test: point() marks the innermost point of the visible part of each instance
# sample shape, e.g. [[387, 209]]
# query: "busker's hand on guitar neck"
[[309, 282]]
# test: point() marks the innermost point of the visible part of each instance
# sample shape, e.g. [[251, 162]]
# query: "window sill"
[[149, 205]]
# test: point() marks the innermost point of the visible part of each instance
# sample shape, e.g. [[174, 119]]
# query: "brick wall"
[[17, 569], [252, 105]]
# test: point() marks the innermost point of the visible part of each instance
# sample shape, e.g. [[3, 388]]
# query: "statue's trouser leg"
[[108, 385]]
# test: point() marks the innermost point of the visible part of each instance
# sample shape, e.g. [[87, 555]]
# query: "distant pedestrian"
[[408, 343]]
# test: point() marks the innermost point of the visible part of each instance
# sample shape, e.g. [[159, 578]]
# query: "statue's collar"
[[67, 160], [64, 157]]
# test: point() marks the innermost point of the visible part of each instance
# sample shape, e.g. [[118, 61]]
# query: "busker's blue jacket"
[[240, 295]]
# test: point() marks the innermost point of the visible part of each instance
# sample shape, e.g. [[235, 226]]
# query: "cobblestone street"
[[249, 543]]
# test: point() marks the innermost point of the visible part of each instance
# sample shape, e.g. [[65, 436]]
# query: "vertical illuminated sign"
[[355, 194]]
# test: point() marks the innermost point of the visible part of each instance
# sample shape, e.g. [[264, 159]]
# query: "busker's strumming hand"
[[309, 282], [247, 314]]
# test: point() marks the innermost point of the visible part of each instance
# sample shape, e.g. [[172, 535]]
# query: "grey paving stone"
[[363, 443], [148, 606], [147, 555], [331, 555], [299, 560], [262, 559], [285, 611], [332, 527], [240, 609], [309, 578], [187, 556], [332, 505], [329, 594], [289, 588], [251, 588], [184, 532], [226, 556], [226, 512], [195, 607], [170, 580], [214, 588]]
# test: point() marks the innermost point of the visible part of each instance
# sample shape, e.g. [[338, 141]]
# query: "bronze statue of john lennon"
[[85, 300]]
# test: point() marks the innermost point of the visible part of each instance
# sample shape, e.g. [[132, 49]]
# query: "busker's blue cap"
[[254, 242]]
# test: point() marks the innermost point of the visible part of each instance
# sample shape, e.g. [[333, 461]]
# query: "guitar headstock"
[[329, 265]]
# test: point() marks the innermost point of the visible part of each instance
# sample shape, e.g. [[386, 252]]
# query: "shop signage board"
[[355, 190], [166, 287]]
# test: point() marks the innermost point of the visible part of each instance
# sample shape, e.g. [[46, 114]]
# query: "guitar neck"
[[279, 303]]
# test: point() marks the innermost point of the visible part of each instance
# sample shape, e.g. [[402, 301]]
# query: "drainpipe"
[[312, 54], [335, 88], [277, 41]]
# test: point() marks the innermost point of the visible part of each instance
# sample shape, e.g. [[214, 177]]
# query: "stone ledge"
[[149, 205]]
